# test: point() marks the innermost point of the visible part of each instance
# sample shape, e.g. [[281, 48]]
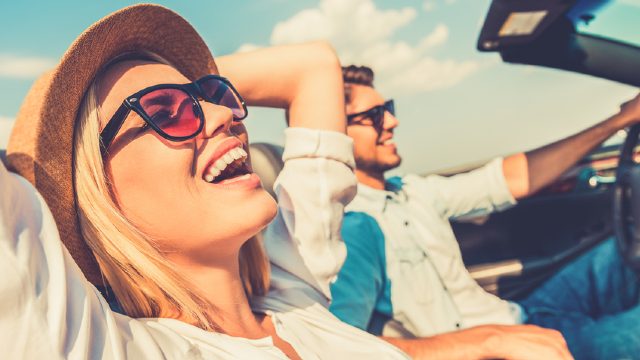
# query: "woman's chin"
[[269, 210], [260, 211]]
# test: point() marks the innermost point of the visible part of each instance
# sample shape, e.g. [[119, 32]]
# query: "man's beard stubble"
[[374, 166]]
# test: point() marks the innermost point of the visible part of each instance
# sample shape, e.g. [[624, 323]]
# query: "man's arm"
[[526, 173], [523, 342]]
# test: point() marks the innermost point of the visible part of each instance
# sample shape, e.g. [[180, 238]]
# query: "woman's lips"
[[243, 182]]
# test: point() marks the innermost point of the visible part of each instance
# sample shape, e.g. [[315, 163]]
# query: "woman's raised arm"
[[304, 79]]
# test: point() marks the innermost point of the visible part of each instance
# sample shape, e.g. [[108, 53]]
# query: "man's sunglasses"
[[173, 110], [373, 116]]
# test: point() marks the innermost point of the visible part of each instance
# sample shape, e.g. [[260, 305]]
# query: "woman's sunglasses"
[[373, 117], [173, 110]]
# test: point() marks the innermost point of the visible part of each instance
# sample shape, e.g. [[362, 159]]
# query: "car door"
[[511, 252]]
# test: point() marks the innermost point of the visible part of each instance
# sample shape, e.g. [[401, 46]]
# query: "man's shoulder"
[[363, 236], [360, 219], [421, 186]]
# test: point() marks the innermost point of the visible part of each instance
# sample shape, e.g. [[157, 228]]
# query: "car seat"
[[266, 160]]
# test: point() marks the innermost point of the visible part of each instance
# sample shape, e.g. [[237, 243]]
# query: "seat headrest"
[[266, 160]]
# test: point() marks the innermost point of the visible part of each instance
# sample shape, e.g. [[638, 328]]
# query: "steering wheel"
[[626, 202]]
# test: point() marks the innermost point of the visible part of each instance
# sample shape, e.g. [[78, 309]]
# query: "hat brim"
[[41, 144]]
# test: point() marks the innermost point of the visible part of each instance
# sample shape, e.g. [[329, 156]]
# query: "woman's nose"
[[217, 119]]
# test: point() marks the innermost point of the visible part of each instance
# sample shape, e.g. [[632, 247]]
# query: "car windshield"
[[612, 21]]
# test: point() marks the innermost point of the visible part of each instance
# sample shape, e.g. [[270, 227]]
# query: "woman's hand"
[[304, 79]]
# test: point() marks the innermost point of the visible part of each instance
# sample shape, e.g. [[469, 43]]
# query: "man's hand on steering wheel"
[[631, 110]]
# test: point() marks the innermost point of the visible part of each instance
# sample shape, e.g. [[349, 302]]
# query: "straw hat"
[[40, 146]]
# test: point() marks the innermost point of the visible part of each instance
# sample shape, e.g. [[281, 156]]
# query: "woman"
[[137, 146]]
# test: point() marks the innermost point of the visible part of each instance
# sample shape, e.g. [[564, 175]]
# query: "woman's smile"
[[228, 166]]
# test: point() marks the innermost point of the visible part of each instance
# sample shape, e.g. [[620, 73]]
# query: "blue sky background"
[[455, 105]]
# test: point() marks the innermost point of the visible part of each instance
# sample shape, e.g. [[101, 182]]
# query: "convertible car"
[[512, 252]]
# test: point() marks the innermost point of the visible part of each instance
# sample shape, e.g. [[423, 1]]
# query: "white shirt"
[[48, 310], [431, 290]]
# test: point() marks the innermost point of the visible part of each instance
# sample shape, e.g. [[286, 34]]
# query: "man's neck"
[[371, 179]]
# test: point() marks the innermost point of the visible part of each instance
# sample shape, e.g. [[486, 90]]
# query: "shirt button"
[[457, 325], [406, 223]]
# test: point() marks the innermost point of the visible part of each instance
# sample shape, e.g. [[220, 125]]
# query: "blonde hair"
[[145, 283]]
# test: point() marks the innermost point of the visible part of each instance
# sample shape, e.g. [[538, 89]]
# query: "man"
[[404, 278]]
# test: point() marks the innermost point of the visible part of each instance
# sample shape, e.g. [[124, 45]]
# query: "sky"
[[455, 105]]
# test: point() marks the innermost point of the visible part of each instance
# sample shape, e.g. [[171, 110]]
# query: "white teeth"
[[220, 164], [228, 158], [217, 167]]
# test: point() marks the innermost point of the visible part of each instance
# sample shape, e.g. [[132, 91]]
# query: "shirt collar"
[[377, 199]]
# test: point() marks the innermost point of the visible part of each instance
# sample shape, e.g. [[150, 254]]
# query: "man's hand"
[[516, 342], [631, 110]]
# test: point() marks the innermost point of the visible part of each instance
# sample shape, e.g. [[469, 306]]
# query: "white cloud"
[[635, 3], [6, 124], [248, 47], [429, 5], [355, 22], [363, 34], [430, 74], [439, 36], [23, 67]]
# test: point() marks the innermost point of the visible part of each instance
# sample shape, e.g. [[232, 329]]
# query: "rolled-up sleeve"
[[47, 307], [474, 193], [316, 183]]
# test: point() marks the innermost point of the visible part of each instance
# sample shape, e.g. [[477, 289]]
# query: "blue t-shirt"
[[362, 293]]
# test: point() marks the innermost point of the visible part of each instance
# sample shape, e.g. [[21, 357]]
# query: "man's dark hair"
[[359, 75]]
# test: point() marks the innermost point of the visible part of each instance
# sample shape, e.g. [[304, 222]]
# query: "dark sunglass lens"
[[390, 107], [173, 111], [218, 92], [378, 117]]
